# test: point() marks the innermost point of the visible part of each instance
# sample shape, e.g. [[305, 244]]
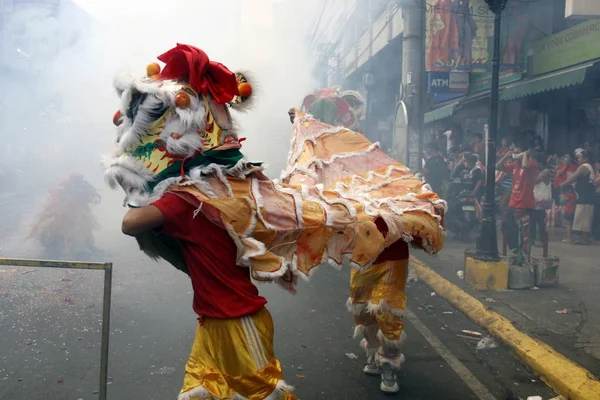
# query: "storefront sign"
[[444, 97], [573, 46], [459, 35], [483, 80], [459, 82], [582, 8], [448, 82]]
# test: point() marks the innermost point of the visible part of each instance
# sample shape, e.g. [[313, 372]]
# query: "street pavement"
[[574, 331], [50, 341]]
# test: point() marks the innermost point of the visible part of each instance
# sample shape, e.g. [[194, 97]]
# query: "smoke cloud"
[[57, 109]]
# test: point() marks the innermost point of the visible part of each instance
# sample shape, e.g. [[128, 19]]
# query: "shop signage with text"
[[448, 82], [573, 46]]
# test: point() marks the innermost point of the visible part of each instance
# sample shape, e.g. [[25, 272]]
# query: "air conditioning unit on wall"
[[582, 9]]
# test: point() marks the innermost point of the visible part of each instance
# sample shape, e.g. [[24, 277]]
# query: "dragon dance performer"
[[65, 224], [377, 294], [198, 203]]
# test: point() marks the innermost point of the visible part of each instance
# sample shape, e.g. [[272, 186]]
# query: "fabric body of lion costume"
[[343, 161], [340, 200]]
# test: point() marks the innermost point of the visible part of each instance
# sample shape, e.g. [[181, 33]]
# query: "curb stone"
[[566, 377]]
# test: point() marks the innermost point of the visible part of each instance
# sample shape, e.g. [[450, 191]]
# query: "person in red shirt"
[[568, 198], [235, 328], [523, 169]]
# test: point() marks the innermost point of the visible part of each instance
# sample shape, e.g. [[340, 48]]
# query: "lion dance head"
[[173, 115]]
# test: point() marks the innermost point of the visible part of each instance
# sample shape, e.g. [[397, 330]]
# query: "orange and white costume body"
[[342, 200], [347, 163]]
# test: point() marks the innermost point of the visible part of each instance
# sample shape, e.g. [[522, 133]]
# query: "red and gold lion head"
[[173, 114]]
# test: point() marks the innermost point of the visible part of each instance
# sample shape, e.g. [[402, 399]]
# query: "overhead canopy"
[[440, 113], [557, 80]]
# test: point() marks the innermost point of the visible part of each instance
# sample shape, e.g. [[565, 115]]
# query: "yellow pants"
[[377, 300], [234, 358]]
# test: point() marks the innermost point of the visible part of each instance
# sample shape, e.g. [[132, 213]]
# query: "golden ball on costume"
[[152, 69], [155, 77], [182, 100], [245, 89]]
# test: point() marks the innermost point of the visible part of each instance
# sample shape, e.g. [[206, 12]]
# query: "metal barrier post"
[[107, 268], [105, 331]]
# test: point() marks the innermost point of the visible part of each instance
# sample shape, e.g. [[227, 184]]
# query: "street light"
[[487, 242], [369, 81]]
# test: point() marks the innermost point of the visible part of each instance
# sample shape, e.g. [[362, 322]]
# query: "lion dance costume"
[[65, 224], [361, 170], [340, 200]]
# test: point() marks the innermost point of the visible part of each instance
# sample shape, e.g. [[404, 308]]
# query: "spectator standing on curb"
[[583, 179], [524, 172], [436, 169], [567, 198], [542, 193]]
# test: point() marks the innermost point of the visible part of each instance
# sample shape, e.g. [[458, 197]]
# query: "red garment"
[[571, 203], [204, 76], [222, 289], [396, 251], [562, 173], [522, 185]]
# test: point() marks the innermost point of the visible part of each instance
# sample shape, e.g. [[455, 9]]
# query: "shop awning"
[[440, 113], [557, 80]]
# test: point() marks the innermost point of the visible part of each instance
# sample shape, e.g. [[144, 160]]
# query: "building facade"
[[353, 38], [549, 81]]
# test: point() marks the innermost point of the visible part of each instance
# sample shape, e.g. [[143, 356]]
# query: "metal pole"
[[487, 242], [105, 332], [423, 96], [412, 76], [367, 128]]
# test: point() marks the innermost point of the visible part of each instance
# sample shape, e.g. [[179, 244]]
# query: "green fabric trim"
[[228, 158], [325, 110], [146, 150], [543, 84]]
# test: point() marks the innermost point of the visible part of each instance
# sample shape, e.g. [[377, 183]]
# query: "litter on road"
[[486, 343], [471, 333]]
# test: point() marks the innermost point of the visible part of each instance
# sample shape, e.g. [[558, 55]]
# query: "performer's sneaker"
[[389, 379], [371, 368]]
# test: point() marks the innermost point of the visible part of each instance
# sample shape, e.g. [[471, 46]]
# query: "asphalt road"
[[50, 336]]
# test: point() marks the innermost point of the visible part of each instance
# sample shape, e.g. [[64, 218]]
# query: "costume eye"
[[136, 101], [182, 100], [150, 106]]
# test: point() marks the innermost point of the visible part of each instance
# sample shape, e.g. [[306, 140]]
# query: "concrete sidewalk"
[[575, 334]]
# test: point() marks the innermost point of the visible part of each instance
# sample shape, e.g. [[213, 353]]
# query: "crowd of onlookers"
[[531, 185]]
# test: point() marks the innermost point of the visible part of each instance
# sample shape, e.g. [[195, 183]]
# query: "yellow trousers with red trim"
[[234, 358]]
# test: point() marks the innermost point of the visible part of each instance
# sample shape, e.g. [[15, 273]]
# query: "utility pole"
[[487, 242], [413, 70]]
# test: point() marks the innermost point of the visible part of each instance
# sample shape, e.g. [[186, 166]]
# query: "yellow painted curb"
[[561, 374]]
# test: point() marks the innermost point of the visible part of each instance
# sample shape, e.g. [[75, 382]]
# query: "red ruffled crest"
[[204, 76]]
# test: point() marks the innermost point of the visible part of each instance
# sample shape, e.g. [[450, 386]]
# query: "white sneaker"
[[389, 379], [371, 368]]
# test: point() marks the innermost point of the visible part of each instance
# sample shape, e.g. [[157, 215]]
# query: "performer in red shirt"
[[198, 203]]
